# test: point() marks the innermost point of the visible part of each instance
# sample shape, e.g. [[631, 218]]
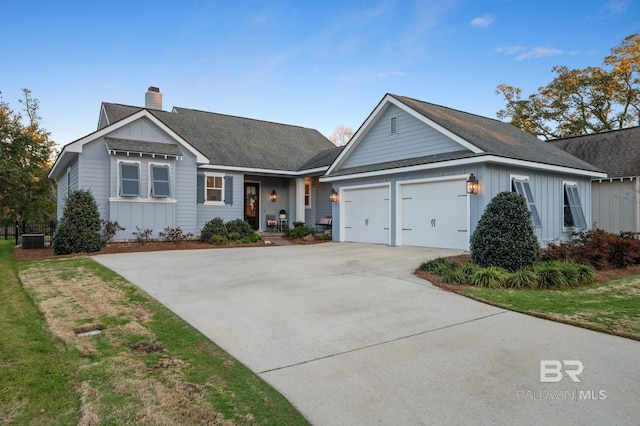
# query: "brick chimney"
[[153, 98]]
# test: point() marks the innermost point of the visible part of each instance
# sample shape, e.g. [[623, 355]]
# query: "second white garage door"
[[433, 214], [366, 215]]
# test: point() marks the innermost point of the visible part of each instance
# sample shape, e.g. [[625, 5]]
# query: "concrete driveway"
[[350, 336]]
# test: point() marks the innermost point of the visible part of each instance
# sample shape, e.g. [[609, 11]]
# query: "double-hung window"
[[214, 188], [160, 187], [521, 186], [573, 213], [129, 179]]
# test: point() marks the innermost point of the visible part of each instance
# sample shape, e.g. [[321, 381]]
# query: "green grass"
[[613, 307], [49, 379]]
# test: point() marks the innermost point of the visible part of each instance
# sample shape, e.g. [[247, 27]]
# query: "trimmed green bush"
[[218, 240], [253, 238], [504, 236], [79, 230], [438, 266], [551, 275], [300, 231], [239, 226], [490, 277], [234, 236], [523, 278], [215, 226]]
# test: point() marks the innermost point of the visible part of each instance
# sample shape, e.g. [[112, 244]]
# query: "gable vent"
[[394, 125]]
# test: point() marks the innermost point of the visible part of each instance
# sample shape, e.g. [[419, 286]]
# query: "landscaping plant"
[[504, 236], [79, 229]]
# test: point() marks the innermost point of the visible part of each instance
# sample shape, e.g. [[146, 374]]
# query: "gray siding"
[[205, 213], [615, 205], [94, 174], [413, 139]]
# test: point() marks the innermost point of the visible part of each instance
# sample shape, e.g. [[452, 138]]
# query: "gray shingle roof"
[[143, 147], [495, 137], [241, 142], [616, 152]]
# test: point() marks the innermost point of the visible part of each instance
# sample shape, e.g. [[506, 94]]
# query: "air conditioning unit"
[[32, 241]]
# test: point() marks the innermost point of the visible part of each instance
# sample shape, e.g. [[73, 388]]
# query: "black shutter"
[[200, 188], [228, 190]]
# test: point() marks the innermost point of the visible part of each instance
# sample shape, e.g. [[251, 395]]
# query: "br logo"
[[551, 370]]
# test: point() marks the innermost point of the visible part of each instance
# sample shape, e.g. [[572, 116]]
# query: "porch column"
[[299, 200]]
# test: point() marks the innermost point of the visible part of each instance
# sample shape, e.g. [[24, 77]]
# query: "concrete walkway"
[[350, 336]]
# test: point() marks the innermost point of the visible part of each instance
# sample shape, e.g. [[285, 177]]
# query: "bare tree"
[[341, 135]]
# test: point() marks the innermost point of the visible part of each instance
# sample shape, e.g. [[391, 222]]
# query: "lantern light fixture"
[[472, 184], [333, 196], [273, 196]]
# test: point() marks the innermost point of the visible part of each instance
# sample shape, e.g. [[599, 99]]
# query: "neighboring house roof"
[[240, 142], [478, 137], [617, 152]]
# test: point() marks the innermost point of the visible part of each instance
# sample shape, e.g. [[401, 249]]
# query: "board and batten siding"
[[548, 193], [615, 205], [413, 139]]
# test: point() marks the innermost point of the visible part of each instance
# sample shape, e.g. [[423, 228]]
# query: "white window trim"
[[526, 179], [214, 203], [566, 183], [150, 180], [118, 182], [307, 183]]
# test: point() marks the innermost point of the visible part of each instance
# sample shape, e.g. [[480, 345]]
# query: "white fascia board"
[[77, 145], [468, 161], [292, 173], [360, 133], [468, 145]]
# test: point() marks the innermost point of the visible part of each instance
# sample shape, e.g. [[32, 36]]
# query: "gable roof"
[[617, 152], [480, 139], [240, 142]]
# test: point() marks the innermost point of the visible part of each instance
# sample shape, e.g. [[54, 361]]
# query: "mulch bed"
[[602, 276], [47, 252]]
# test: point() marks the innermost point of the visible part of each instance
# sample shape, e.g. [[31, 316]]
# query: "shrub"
[[504, 236], [550, 275], [490, 277], [438, 266], [215, 226], [523, 278], [142, 235], [234, 236], [174, 234], [109, 229], [455, 276], [79, 229], [239, 226], [253, 238], [218, 240], [299, 231], [586, 274]]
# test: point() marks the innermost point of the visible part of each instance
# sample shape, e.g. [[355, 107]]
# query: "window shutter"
[[575, 207], [160, 181], [129, 180], [523, 188], [228, 190], [200, 188]]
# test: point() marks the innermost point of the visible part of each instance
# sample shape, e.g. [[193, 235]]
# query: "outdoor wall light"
[[333, 196], [274, 196], [472, 184]]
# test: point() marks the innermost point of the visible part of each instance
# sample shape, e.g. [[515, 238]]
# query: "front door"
[[252, 204]]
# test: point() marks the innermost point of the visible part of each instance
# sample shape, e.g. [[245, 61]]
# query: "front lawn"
[[146, 365], [612, 307]]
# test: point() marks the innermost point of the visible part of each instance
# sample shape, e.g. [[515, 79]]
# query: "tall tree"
[[341, 135], [26, 154], [581, 101]]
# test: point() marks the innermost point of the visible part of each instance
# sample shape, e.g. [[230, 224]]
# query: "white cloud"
[[617, 7], [482, 21], [539, 52], [509, 50]]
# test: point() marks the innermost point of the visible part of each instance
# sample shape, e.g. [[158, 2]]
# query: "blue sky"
[[315, 64]]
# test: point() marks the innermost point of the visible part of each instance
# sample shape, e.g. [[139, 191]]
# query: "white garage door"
[[366, 215], [434, 214]]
